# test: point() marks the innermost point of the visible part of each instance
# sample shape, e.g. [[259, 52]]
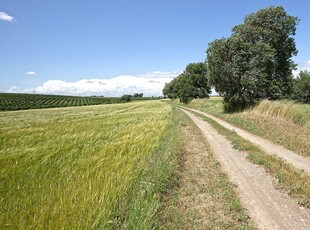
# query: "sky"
[[116, 47]]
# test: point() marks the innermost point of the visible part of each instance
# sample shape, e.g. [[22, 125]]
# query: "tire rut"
[[270, 148], [268, 207]]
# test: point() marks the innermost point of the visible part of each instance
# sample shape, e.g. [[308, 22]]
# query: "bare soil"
[[268, 207], [270, 148]]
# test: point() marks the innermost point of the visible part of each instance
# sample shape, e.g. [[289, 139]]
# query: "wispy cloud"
[[150, 84], [5, 17], [31, 73]]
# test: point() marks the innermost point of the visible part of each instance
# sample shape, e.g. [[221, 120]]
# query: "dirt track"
[[269, 147], [268, 207]]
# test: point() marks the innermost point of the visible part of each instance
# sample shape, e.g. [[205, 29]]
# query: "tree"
[[138, 95], [274, 29], [170, 89], [186, 89], [256, 59], [197, 72], [192, 83], [302, 87], [125, 98]]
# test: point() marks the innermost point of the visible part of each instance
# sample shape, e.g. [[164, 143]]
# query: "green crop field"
[[16, 101], [69, 168]]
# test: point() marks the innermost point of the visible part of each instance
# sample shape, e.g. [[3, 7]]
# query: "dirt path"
[[268, 207], [269, 147]]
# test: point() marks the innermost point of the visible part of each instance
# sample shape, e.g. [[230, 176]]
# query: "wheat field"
[[68, 168]]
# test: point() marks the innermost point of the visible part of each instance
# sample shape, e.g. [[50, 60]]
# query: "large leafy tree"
[[256, 59]]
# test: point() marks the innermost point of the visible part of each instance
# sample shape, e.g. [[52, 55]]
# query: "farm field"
[[76, 167], [283, 122], [15, 101]]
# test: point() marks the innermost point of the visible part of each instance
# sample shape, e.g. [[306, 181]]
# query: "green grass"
[[282, 122], [292, 180], [143, 202], [85, 167]]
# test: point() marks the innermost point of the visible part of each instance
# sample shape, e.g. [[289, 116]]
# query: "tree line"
[[254, 63]]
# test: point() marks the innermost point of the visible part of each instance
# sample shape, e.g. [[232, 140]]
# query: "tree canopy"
[[255, 61], [192, 83]]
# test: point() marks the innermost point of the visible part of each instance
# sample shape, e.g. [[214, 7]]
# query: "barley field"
[[68, 168]]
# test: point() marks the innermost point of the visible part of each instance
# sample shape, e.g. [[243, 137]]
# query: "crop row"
[[12, 101]]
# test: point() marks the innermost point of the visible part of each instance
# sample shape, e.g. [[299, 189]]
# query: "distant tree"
[[301, 90], [125, 98], [197, 72], [192, 83], [256, 59], [170, 89], [138, 95], [186, 91]]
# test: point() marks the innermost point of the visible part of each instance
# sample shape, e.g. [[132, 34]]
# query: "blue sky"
[[114, 47]]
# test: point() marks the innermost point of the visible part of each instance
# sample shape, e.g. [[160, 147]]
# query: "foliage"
[[192, 83], [138, 95], [16, 101], [302, 87], [125, 98], [255, 61], [72, 168], [170, 90]]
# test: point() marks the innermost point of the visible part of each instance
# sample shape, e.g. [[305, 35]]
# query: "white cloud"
[[300, 67], [32, 73], [6, 17], [150, 84], [305, 66]]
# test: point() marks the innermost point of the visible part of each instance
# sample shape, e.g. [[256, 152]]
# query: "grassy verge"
[[143, 201], [76, 168], [282, 122], [293, 181], [204, 197]]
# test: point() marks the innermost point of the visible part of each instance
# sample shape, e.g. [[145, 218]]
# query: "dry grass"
[[286, 110]]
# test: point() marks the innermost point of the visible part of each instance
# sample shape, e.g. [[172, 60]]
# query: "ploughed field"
[[70, 167]]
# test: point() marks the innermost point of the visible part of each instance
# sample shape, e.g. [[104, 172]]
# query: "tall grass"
[[296, 112], [71, 167]]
